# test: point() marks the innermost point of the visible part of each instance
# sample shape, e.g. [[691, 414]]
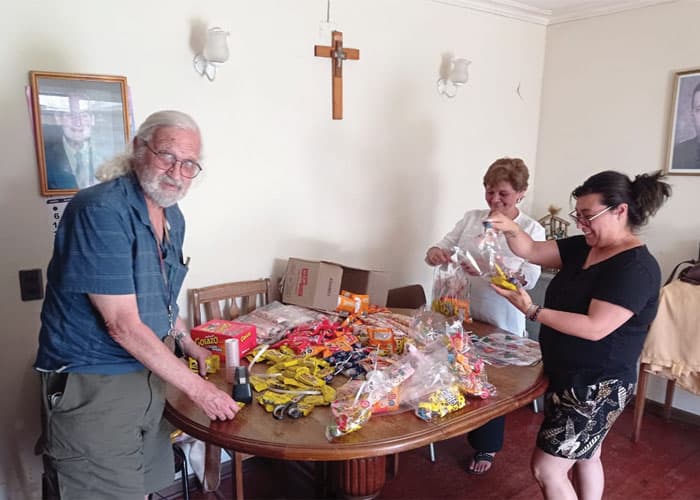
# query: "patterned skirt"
[[576, 420]]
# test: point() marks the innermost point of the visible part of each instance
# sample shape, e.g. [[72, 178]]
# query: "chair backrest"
[[408, 297], [228, 300]]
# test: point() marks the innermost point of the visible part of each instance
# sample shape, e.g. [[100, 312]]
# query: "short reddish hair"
[[512, 170]]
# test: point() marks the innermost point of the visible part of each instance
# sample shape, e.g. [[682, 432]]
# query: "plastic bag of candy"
[[440, 402], [353, 408], [431, 370], [275, 319], [487, 255], [429, 326], [469, 368], [451, 291], [461, 358]]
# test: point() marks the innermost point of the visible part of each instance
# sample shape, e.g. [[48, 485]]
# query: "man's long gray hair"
[[123, 163]]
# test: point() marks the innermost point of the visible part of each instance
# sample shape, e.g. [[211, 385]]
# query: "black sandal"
[[481, 456]]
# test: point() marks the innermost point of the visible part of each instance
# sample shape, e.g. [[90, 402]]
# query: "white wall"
[[607, 90], [281, 178]]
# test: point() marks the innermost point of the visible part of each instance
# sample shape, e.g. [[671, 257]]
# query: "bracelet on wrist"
[[533, 316]]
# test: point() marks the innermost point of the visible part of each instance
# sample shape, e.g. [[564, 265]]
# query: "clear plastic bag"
[[486, 254], [430, 392], [275, 319], [469, 374], [451, 291], [353, 408]]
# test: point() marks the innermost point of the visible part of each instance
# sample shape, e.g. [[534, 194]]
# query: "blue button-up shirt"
[[105, 245]]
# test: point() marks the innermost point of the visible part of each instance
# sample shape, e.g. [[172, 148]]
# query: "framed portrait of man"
[[683, 156], [79, 122]]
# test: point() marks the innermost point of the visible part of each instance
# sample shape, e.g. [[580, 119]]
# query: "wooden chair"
[[407, 297], [671, 349], [226, 301], [640, 399]]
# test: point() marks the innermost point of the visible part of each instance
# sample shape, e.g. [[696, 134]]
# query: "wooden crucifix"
[[338, 54]]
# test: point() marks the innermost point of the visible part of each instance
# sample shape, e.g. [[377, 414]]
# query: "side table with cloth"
[[672, 346]]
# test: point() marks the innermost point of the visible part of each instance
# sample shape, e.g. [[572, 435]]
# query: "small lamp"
[[215, 52], [458, 75]]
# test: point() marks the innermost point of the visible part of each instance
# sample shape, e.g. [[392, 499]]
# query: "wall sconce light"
[[215, 52], [458, 75]]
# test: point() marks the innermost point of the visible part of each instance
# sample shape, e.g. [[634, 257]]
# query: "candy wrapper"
[[487, 254], [451, 291], [440, 403]]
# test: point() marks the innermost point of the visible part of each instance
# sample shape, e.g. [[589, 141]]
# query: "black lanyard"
[[166, 282]]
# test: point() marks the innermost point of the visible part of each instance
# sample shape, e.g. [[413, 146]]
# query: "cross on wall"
[[337, 53]]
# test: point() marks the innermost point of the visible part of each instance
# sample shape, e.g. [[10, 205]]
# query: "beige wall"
[[373, 190], [606, 96], [280, 177]]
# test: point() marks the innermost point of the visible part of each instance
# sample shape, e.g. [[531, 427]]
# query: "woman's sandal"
[[481, 456]]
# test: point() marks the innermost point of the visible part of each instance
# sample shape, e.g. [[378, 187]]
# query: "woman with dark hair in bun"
[[594, 319]]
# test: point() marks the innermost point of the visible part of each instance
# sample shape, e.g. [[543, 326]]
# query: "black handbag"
[[689, 274]]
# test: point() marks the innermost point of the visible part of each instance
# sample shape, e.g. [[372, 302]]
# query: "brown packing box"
[[317, 284]]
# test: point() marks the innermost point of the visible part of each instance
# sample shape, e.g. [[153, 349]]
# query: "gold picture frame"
[[683, 147], [80, 121]]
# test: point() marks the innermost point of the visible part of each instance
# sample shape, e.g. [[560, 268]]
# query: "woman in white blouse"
[[505, 183]]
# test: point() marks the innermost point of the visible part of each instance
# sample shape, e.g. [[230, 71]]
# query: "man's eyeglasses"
[[166, 161], [585, 220]]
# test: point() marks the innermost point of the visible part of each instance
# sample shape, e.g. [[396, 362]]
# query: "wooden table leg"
[[639, 401], [362, 478], [238, 474]]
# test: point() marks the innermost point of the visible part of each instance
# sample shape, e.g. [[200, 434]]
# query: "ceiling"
[[553, 11]]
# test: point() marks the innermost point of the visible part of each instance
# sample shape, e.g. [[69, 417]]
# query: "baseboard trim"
[[174, 491], [677, 415]]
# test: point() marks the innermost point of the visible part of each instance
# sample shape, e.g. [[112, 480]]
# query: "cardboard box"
[[214, 333], [317, 284]]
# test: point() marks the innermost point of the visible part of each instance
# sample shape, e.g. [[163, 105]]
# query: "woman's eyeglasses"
[[585, 220]]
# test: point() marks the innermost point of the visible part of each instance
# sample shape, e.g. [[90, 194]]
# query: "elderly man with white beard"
[[110, 324]]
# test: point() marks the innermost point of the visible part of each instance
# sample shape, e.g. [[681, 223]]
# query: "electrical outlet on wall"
[[31, 284]]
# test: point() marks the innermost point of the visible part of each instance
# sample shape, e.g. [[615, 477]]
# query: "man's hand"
[[196, 351], [437, 255], [214, 402]]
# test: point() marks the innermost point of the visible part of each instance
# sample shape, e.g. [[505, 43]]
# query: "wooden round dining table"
[[359, 458]]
